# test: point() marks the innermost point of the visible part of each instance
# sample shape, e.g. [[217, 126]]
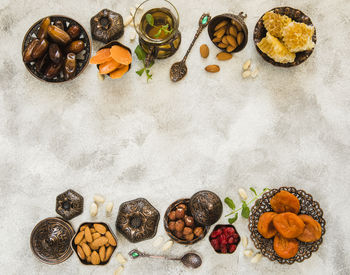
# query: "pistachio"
[[256, 258], [248, 253], [255, 73], [99, 199], [246, 74], [109, 208], [93, 209]]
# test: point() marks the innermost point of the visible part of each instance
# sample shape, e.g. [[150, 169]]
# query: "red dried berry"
[[215, 233], [229, 231], [232, 248], [223, 248], [222, 239], [215, 244], [230, 240]]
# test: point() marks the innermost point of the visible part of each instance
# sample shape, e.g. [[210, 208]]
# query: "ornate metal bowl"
[[166, 223], [74, 246], [82, 60], [50, 240], [296, 15], [307, 206], [137, 220], [69, 204]]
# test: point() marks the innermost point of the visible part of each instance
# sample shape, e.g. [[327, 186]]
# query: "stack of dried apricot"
[[286, 226], [114, 61], [94, 243]]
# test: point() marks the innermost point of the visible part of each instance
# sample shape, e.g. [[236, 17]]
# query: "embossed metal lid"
[[50, 240], [206, 207], [69, 204]]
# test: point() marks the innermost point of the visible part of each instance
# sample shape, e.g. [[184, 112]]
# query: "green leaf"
[[232, 220], [150, 19], [266, 189], [158, 33], [230, 203], [140, 53], [245, 210], [140, 72], [253, 190]]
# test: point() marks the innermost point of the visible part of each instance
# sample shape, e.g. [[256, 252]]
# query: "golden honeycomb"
[[273, 47], [274, 23], [298, 37]]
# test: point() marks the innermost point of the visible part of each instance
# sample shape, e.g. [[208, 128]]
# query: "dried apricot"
[[101, 56], [284, 201], [285, 248], [288, 225], [121, 55], [265, 225], [312, 231], [118, 73], [109, 66]]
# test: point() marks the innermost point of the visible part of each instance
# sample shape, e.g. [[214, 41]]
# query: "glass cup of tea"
[[157, 22]]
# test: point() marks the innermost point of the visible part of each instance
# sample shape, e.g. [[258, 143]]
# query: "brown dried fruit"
[[75, 47], [40, 49], [212, 68], [73, 31], [178, 234], [179, 225], [58, 35], [198, 231], [27, 54], [42, 32], [240, 38], [189, 237], [221, 24], [204, 51], [223, 56], [187, 230], [189, 221], [265, 225], [288, 225], [284, 201], [312, 231], [171, 226], [285, 248], [180, 213], [172, 216], [95, 258]]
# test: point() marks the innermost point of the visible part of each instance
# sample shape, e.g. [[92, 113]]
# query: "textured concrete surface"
[[164, 141]]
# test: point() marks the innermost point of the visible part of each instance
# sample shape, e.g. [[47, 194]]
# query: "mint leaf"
[[158, 33], [232, 220], [140, 53], [140, 72], [230, 203], [253, 190], [245, 210], [150, 19], [266, 189]]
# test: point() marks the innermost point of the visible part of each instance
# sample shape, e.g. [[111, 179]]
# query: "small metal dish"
[[49, 240], [69, 204], [294, 14], [225, 225], [166, 223], [82, 58], [307, 206], [229, 16], [74, 246], [113, 43]]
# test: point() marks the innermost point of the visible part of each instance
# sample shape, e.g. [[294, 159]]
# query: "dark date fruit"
[[70, 66], [55, 53], [42, 33], [52, 70], [59, 24], [40, 49], [73, 31], [58, 35], [180, 213], [27, 54], [41, 63], [75, 47]]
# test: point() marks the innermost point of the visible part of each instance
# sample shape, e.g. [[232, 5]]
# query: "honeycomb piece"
[[298, 37], [274, 23], [271, 46]]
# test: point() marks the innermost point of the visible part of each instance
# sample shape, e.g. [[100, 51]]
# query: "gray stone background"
[[163, 141]]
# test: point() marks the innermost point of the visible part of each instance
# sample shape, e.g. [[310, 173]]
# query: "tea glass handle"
[[150, 56], [203, 22]]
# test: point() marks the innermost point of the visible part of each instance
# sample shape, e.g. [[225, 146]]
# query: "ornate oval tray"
[[82, 59], [50, 240], [307, 206], [296, 15]]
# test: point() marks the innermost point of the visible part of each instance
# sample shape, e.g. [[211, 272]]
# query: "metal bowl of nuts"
[[228, 32], [180, 224], [56, 49], [94, 243]]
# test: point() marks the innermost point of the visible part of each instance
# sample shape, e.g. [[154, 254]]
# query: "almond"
[[204, 51], [240, 38], [232, 41], [88, 236], [221, 24], [224, 40], [79, 237], [95, 236], [109, 252], [102, 253], [94, 246], [100, 228], [88, 259], [82, 228], [222, 45], [230, 49], [220, 33], [80, 252], [95, 258], [83, 241], [99, 242], [111, 239], [216, 39], [212, 68], [237, 25], [223, 56], [86, 249], [233, 31]]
